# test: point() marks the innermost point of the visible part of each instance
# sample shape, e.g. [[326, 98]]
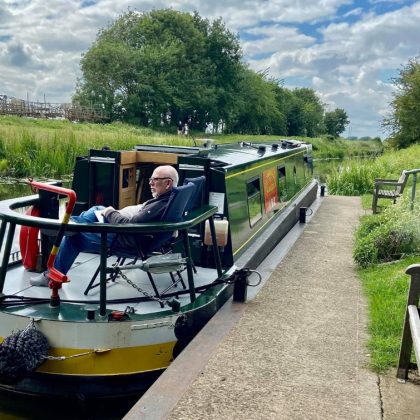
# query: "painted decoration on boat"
[[271, 196]]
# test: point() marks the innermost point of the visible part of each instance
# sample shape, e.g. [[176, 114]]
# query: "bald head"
[[164, 178], [170, 172]]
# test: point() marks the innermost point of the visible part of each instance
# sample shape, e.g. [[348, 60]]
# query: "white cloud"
[[274, 38], [41, 42]]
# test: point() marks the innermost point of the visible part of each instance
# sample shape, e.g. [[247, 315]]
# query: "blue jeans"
[[71, 246]]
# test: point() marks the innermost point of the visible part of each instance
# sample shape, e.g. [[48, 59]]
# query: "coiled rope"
[[21, 353]]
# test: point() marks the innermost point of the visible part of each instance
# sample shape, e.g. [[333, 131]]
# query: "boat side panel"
[[243, 226]]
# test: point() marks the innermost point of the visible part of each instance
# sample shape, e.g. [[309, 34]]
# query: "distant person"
[[180, 128], [186, 129], [163, 180]]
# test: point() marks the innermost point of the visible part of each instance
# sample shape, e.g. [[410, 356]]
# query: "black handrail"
[[8, 214]]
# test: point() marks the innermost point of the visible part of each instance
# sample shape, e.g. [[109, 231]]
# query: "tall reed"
[[49, 148], [357, 177]]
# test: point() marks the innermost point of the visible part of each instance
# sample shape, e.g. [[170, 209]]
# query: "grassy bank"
[[385, 245], [30, 147], [386, 287]]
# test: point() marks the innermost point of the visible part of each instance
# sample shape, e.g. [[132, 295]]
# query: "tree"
[[161, 67], [335, 122], [313, 111], [404, 122], [256, 109]]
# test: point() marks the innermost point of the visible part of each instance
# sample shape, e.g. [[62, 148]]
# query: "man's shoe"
[[41, 280]]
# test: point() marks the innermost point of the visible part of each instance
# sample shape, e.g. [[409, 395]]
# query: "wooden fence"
[[14, 106]]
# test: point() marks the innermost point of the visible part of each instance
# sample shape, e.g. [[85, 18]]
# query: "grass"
[[31, 147], [386, 287], [389, 235], [49, 148]]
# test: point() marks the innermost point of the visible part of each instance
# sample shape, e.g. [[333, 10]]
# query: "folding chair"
[[196, 197], [174, 213], [195, 200]]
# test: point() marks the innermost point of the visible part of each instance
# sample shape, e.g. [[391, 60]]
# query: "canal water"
[[23, 407]]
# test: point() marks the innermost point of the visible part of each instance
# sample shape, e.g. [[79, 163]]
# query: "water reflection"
[[13, 190], [12, 187], [324, 167]]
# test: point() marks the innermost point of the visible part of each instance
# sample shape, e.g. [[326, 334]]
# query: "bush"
[[389, 236]]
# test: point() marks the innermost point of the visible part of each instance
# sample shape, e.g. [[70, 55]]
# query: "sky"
[[347, 51]]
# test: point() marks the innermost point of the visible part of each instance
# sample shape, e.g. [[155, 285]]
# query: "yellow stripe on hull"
[[113, 362]]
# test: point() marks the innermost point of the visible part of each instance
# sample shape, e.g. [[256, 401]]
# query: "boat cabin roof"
[[230, 155]]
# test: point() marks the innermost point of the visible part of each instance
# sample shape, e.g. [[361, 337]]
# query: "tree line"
[[403, 122], [158, 68]]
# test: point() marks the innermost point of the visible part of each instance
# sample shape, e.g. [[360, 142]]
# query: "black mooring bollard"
[[240, 286], [302, 215], [322, 190]]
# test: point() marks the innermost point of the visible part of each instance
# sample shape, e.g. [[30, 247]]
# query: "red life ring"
[[28, 241]]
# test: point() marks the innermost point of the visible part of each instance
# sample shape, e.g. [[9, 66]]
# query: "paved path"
[[298, 349]]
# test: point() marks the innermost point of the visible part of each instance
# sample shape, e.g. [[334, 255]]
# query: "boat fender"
[[221, 227], [188, 325], [28, 242], [21, 353]]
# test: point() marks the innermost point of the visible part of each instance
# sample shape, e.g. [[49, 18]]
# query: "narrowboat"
[[114, 335]]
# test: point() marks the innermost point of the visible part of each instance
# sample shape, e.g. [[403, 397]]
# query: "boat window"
[[281, 170], [253, 189]]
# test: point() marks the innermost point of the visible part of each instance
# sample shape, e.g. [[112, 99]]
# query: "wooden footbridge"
[[72, 112]]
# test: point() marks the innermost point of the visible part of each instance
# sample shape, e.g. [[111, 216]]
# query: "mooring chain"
[[139, 289]]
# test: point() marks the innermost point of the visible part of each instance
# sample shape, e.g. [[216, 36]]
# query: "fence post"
[[413, 191]]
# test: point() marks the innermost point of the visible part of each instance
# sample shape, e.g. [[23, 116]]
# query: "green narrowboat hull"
[[255, 190]]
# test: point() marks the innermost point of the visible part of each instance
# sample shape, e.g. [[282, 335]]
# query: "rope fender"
[[21, 353]]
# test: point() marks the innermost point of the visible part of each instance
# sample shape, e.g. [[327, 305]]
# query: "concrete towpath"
[[295, 351]]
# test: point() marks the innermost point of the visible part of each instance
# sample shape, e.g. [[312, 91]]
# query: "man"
[[163, 179]]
